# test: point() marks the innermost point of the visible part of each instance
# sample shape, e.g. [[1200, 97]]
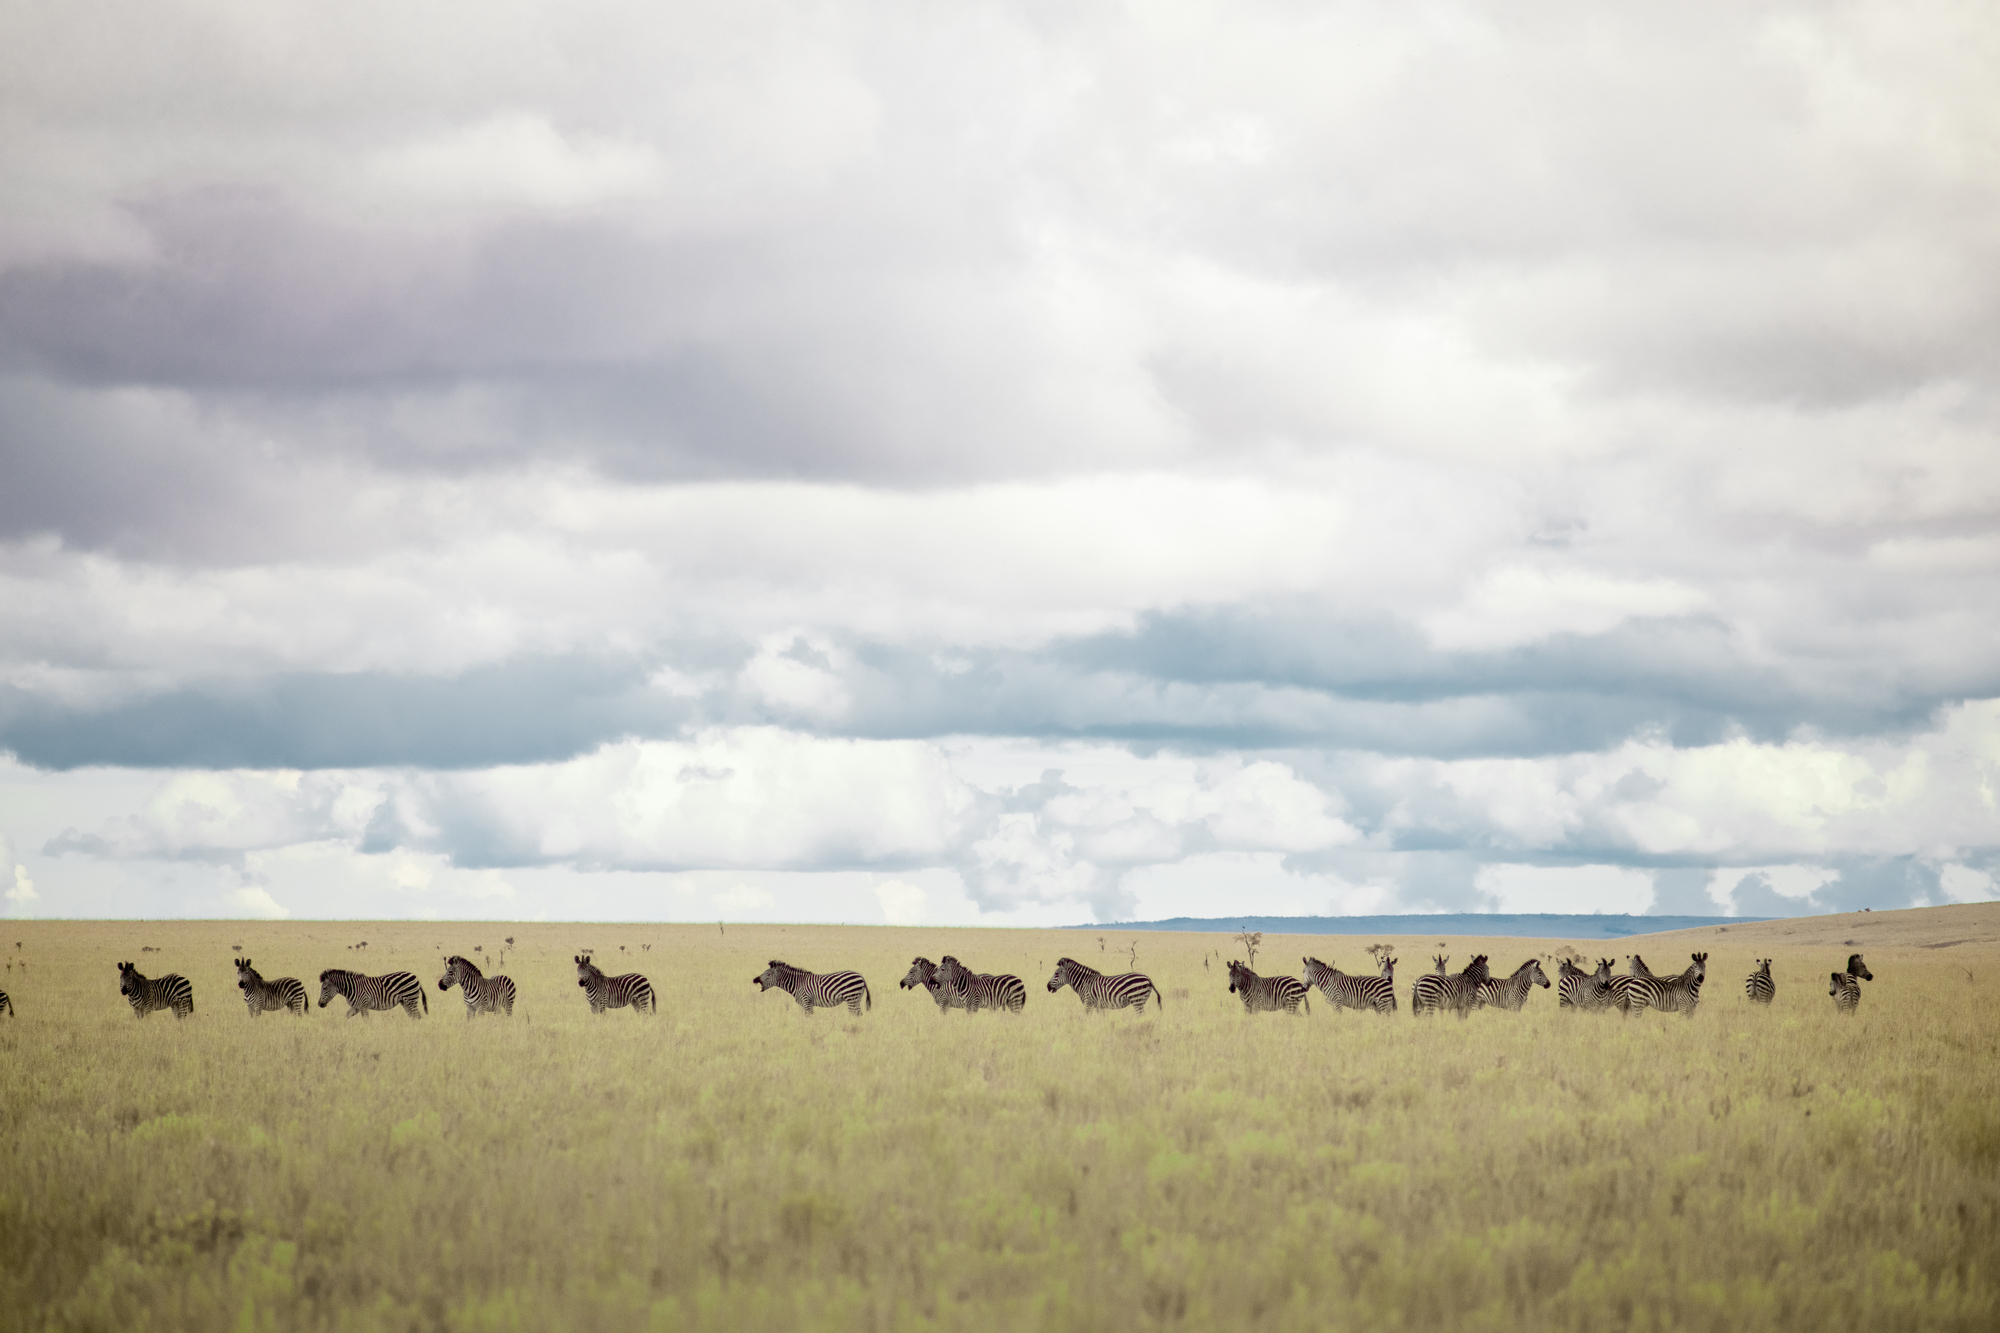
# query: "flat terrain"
[[733, 1164]]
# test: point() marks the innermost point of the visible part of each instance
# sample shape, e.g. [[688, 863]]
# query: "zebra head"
[[330, 984], [1067, 971], [1240, 976], [128, 978], [246, 975], [1388, 967], [1440, 961], [923, 972], [585, 969], [1700, 968], [1603, 974], [1316, 972], [454, 972], [777, 974], [1536, 975], [952, 974], [1857, 968], [1637, 966], [1833, 983]]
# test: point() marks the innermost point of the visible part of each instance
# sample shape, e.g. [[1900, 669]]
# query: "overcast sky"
[[1016, 464]]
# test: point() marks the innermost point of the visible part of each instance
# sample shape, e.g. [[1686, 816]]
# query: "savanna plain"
[[735, 1164]]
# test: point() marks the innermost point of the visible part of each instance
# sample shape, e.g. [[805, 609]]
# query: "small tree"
[[1250, 940]]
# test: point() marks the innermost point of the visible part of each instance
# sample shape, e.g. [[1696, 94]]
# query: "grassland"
[[734, 1165]]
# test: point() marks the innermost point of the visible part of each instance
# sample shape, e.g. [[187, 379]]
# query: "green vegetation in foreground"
[[734, 1165]]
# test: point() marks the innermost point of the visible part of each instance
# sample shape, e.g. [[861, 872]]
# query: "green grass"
[[734, 1165]]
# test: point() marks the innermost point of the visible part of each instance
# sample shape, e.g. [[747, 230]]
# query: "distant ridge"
[[1533, 925]]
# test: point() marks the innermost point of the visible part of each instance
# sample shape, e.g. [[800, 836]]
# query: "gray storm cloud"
[[452, 396]]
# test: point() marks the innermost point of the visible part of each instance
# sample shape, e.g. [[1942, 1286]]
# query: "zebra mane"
[[1084, 968], [341, 973], [461, 960]]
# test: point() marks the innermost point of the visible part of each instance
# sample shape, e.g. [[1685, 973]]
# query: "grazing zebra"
[[1345, 992], [1758, 986], [1267, 995], [1129, 990], [923, 972], [1512, 994], [261, 996], [614, 992], [1670, 995], [1585, 992], [982, 990], [483, 994], [826, 990], [1457, 993], [396, 990], [145, 994], [1845, 987]]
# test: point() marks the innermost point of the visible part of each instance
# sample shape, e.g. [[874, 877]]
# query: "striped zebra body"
[[1511, 993], [982, 990], [273, 997], [1377, 994], [1758, 986], [1585, 992], [145, 994], [924, 973], [1456, 993], [6, 1004], [483, 994], [1845, 987], [1129, 990], [822, 990], [614, 992], [394, 990], [1267, 995], [1669, 995]]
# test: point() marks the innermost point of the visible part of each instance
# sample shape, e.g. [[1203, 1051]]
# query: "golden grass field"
[[732, 1164]]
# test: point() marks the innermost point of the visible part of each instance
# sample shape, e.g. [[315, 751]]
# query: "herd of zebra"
[[955, 986]]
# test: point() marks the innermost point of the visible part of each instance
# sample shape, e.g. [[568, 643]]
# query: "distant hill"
[[1530, 925]]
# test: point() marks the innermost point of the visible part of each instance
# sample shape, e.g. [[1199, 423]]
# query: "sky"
[[1007, 464]]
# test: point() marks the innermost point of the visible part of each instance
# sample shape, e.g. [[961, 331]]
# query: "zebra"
[[614, 992], [6, 1004], [827, 990], [1758, 986], [261, 996], [146, 994], [923, 972], [1129, 990], [982, 990], [1457, 992], [1345, 992], [1267, 995], [483, 994], [1585, 992], [396, 990], [1669, 995], [1845, 987], [1512, 994]]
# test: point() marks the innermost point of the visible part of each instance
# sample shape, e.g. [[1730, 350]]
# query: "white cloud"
[[902, 904]]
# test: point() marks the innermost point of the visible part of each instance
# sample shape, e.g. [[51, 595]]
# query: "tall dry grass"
[[734, 1165]]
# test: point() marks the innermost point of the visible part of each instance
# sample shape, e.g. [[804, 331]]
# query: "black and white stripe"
[[6, 1003], [395, 990], [1355, 992], [1454, 992], [1758, 986], [614, 992], [1585, 992], [1668, 995], [1267, 995], [982, 990], [1128, 990], [1511, 993], [273, 997], [821, 990], [923, 972], [483, 994], [1845, 987], [146, 994]]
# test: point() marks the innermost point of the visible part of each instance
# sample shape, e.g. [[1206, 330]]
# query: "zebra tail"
[[869, 996], [1308, 1003], [425, 998], [1159, 1000]]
